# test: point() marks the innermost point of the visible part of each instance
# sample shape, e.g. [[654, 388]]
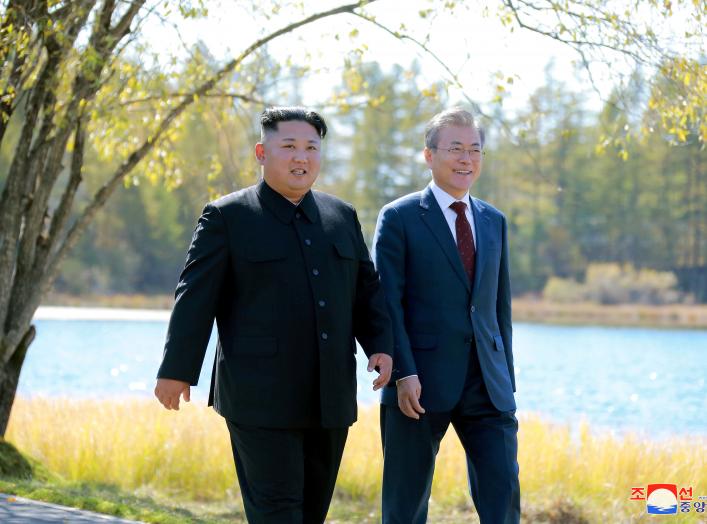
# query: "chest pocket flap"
[[345, 249]]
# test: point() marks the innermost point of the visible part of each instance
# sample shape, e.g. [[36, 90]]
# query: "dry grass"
[[117, 300], [673, 316], [583, 477]]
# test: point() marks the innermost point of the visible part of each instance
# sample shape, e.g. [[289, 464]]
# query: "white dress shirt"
[[444, 200]]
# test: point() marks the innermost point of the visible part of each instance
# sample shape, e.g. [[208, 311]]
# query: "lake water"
[[624, 379]]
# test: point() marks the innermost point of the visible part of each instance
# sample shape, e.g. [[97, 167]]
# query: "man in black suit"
[[286, 274]]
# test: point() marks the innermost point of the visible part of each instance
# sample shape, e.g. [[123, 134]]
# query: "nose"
[[300, 156], [465, 157]]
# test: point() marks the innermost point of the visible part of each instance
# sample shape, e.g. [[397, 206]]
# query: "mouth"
[[463, 172], [298, 172]]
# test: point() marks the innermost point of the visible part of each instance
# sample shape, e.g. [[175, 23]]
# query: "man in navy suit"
[[443, 261]]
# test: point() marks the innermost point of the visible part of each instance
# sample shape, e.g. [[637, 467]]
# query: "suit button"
[[324, 336], [307, 242], [297, 215], [473, 309], [315, 272], [322, 303]]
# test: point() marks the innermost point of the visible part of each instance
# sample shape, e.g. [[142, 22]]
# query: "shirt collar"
[[444, 199], [282, 208]]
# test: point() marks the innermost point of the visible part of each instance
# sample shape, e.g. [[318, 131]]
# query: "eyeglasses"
[[475, 153]]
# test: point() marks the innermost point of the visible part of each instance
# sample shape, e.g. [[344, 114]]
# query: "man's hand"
[[409, 391], [384, 365], [168, 392]]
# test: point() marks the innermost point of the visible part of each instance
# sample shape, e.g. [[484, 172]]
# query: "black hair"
[[270, 118]]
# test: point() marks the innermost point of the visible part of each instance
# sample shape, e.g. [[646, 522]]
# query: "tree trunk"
[[9, 377]]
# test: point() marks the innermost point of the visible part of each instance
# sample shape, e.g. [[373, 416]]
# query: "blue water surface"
[[625, 379]]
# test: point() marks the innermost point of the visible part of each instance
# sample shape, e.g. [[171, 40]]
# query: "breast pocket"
[[345, 270], [261, 276], [345, 250]]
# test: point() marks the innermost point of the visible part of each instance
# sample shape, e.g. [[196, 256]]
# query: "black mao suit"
[[290, 287]]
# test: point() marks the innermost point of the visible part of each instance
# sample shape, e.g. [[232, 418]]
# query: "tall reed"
[[134, 443]]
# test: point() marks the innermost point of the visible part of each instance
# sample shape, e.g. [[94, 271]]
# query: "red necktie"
[[465, 239]]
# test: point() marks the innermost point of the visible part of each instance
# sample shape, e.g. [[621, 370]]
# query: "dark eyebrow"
[[288, 139]]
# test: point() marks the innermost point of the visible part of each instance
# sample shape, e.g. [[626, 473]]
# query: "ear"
[[260, 153], [428, 156]]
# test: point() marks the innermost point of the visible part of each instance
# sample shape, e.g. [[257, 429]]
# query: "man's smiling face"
[[290, 158], [455, 172]]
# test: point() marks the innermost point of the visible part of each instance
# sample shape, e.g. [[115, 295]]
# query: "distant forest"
[[573, 197]]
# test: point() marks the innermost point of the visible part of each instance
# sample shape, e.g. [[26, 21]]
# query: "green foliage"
[[625, 35], [12, 462], [639, 200], [110, 500], [383, 114], [577, 189], [568, 205]]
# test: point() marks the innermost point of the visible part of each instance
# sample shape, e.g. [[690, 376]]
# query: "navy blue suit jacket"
[[436, 311]]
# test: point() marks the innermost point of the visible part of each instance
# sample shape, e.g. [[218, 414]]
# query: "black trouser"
[[286, 475], [489, 438]]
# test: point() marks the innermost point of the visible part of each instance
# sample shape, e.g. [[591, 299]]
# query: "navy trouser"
[[489, 438]]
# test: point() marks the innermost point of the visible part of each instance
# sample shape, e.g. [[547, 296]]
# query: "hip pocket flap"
[[498, 342]]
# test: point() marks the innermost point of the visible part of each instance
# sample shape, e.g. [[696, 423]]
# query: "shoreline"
[[101, 313], [156, 309], [676, 316]]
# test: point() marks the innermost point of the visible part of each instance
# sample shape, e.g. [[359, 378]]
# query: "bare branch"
[[428, 51], [233, 96], [573, 42]]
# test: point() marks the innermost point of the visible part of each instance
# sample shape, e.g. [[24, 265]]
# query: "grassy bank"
[[524, 310], [181, 462]]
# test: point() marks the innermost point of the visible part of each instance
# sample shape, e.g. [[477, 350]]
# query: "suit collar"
[[431, 214], [282, 208]]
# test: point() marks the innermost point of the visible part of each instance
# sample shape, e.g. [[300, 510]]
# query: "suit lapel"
[[481, 222], [432, 216]]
